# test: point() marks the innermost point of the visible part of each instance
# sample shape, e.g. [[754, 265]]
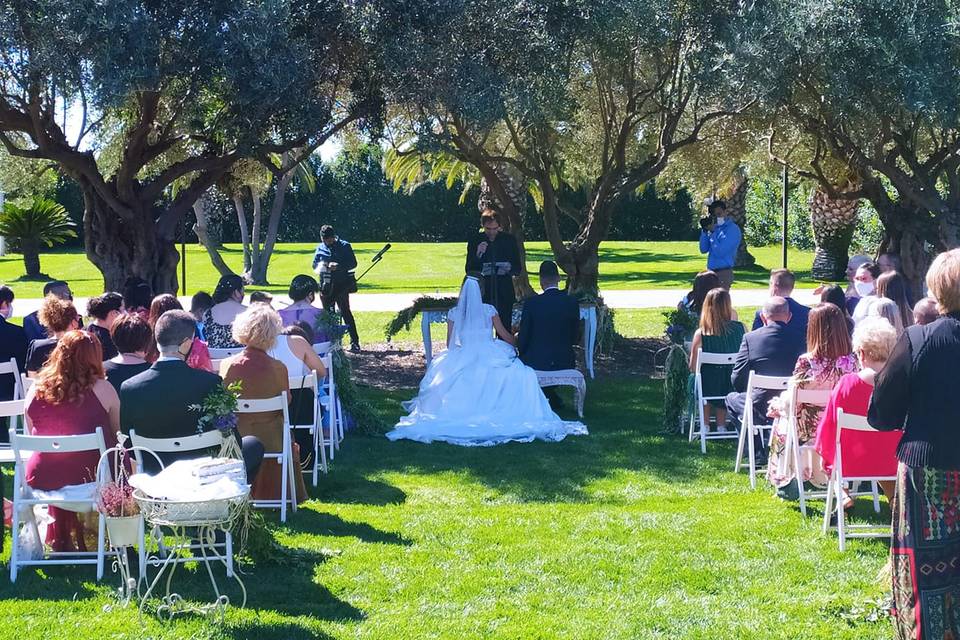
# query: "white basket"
[[159, 511]]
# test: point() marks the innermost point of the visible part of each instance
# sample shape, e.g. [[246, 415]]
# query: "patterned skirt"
[[925, 554]]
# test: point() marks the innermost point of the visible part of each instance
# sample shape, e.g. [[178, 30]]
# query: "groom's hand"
[[481, 249]]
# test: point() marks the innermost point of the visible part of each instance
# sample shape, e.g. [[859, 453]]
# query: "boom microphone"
[[379, 255]]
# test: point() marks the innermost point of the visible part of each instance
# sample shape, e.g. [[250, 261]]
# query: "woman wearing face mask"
[[227, 305], [865, 284], [303, 292]]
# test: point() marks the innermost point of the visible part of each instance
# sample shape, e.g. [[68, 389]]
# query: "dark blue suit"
[[800, 315], [549, 327], [13, 344], [772, 350]]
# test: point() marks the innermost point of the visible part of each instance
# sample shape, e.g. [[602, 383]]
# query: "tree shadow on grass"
[[326, 524], [351, 488], [271, 631], [64, 582], [623, 417]]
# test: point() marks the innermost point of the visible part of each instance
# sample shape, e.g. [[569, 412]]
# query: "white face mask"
[[863, 288], [721, 220]]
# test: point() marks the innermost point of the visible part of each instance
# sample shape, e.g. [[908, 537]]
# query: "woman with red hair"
[[70, 397]]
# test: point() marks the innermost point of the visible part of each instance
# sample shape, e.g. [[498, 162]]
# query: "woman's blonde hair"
[[257, 327], [943, 281], [875, 337], [716, 313]]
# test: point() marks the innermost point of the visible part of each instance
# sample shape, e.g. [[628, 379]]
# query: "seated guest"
[[13, 344], [702, 284], [893, 286], [227, 305], [31, 322], [104, 309], [58, 316], [782, 282], [833, 294], [850, 294], [549, 328], [156, 403], [133, 338], [199, 357], [829, 356], [70, 397], [262, 377], [137, 295], [262, 297], [865, 282], [888, 310], [872, 343], [917, 392], [718, 333], [303, 292], [925, 311], [771, 350], [293, 349]]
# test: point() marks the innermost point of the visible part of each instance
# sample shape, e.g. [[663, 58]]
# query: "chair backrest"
[[864, 456], [215, 364], [812, 397], [276, 403], [303, 382], [851, 421], [11, 368], [322, 347], [25, 384], [194, 442], [768, 383], [10, 408], [57, 444], [222, 354], [707, 358]]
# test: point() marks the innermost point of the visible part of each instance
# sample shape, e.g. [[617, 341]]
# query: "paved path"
[[617, 299]]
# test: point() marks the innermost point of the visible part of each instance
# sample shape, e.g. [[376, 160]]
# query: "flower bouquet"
[[680, 325], [219, 409], [122, 513]]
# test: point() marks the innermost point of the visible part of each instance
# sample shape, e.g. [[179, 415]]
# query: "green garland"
[[675, 388], [405, 317]]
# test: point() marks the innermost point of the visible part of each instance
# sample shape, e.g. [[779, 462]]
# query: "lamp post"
[[786, 189], [3, 241]]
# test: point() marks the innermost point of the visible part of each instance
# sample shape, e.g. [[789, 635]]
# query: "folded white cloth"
[[180, 482]]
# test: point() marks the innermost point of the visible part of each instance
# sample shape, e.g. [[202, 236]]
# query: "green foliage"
[[42, 222], [675, 393], [765, 213], [404, 317]]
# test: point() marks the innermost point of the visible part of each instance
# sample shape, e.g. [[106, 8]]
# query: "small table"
[[588, 314], [567, 378]]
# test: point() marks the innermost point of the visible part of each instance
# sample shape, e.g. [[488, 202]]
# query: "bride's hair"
[[476, 276]]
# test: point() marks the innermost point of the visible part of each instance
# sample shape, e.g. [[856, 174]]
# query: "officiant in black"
[[493, 253]]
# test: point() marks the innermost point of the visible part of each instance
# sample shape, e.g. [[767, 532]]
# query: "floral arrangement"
[[681, 324], [405, 317], [115, 499], [219, 408], [329, 326]]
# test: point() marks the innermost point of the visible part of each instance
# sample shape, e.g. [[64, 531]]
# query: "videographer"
[[719, 239], [493, 254], [334, 262]]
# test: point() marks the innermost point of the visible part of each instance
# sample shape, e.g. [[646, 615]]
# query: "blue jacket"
[[721, 245], [340, 252], [799, 317]]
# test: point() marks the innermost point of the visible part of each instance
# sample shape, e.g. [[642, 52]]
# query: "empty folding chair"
[[315, 424], [852, 466], [752, 427], [284, 457], [200, 443], [709, 359], [78, 498]]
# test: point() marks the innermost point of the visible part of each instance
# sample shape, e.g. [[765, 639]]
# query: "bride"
[[477, 392]]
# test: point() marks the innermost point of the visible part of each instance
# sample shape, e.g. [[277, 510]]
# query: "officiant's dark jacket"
[[156, 402], [502, 249], [549, 327]]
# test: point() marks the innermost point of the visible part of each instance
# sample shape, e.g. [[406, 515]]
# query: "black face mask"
[[186, 356]]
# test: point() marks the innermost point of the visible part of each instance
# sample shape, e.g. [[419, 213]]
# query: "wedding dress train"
[[477, 392]]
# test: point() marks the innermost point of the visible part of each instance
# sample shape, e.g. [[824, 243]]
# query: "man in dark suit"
[[13, 344], [771, 350], [782, 282], [549, 327], [493, 253], [31, 323], [156, 403]]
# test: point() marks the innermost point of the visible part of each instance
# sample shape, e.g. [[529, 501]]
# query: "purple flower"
[[225, 423]]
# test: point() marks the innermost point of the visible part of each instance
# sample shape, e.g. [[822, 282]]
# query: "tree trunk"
[[908, 241], [244, 232], [258, 271], [583, 270], [128, 247], [833, 222], [735, 197], [31, 257], [255, 230], [200, 228]]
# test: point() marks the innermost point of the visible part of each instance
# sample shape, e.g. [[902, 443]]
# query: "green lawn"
[[621, 534], [425, 267]]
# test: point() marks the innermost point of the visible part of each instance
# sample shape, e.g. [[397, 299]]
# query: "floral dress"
[[809, 373], [219, 336]]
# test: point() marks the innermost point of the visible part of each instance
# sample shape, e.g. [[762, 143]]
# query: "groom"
[[549, 327]]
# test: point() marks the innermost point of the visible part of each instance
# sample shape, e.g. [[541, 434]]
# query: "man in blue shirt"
[[720, 239], [335, 261]]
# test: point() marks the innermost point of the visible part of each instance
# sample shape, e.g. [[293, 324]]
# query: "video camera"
[[712, 204]]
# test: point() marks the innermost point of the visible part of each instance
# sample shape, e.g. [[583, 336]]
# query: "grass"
[[621, 534], [417, 267]]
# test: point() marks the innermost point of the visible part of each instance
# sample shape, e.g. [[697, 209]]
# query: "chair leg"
[[841, 519], [292, 479], [14, 541], [101, 535], [828, 507], [740, 446], [876, 496], [795, 454], [283, 488], [751, 453]]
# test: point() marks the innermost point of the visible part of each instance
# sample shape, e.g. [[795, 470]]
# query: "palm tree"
[[42, 222]]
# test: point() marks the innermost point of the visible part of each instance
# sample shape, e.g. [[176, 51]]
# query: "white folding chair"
[[284, 457], [838, 481], [223, 354], [12, 409], [11, 368], [200, 442], [77, 498], [309, 383], [709, 359], [215, 365], [25, 384], [322, 348], [798, 398], [750, 427]]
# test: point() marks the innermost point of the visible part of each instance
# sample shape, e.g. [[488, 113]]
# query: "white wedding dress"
[[477, 392]]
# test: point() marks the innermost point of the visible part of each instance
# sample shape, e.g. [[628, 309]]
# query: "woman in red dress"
[[70, 397]]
